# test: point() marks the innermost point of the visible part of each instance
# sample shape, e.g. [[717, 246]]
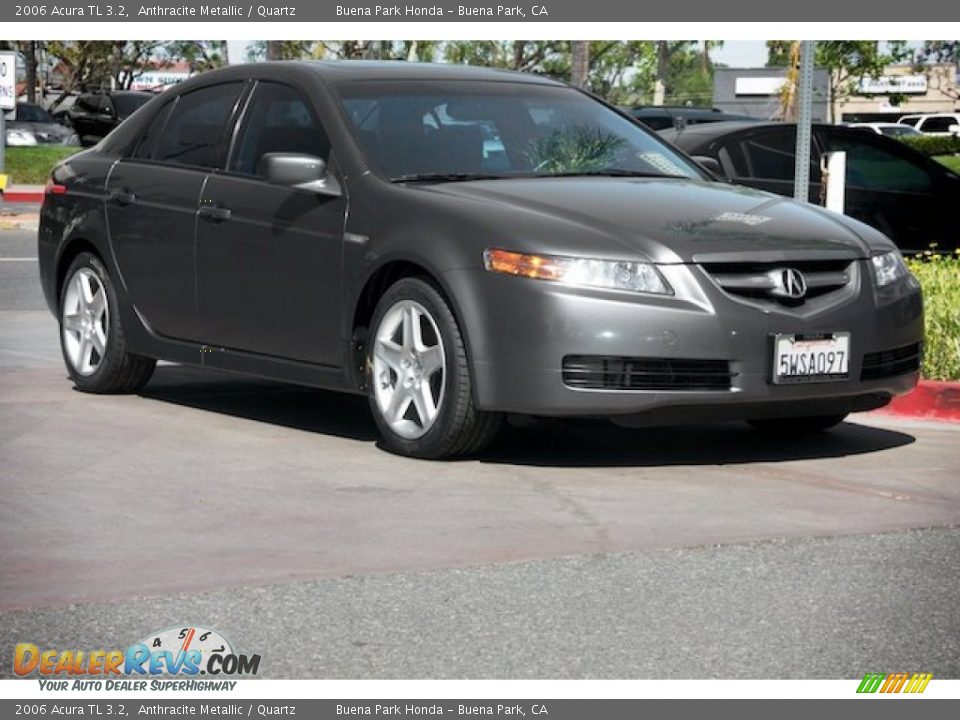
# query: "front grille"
[[601, 372], [762, 281], [890, 363]]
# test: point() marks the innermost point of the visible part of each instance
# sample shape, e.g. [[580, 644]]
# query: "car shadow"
[[292, 406], [553, 443], [545, 443]]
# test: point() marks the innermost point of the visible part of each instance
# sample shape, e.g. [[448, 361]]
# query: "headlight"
[[16, 136], [614, 274], [888, 268]]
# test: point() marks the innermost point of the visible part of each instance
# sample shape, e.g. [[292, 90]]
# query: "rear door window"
[[937, 124], [871, 166], [194, 133]]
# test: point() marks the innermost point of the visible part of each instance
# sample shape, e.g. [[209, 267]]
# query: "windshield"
[[898, 130], [462, 130], [27, 112]]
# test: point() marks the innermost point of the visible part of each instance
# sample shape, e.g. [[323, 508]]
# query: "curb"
[[930, 400], [23, 196]]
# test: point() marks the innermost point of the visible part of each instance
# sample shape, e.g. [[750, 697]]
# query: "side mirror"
[[711, 165], [954, 129], [304, 172]]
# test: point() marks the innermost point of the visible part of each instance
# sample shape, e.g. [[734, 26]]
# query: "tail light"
[[52, 188]]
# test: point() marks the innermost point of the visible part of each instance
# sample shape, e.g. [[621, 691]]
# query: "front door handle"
[[122, 197], [215, 213]]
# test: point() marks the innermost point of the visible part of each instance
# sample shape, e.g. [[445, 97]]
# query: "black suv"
[[94, 115], [664, 117]]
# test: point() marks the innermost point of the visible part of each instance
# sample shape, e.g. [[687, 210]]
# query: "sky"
[[741, 53]]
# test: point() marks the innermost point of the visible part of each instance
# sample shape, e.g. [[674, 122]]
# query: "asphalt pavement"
[[269, 512]]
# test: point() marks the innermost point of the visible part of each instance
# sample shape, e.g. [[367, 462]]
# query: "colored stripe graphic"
[[894, 682]]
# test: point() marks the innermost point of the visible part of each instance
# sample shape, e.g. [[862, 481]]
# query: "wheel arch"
[[68, 253], [378, 281]]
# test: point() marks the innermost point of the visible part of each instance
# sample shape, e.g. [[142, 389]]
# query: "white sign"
[[889, 84], [8, 80], [759, 85], [159, 79]]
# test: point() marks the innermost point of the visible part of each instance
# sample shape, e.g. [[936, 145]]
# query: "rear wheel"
[[798, 425], [420, 388], [91, 338]]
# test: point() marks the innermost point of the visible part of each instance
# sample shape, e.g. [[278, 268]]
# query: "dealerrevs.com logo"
[[177, 652], [905, 682]]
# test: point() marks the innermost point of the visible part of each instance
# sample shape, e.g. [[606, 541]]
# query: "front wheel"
[[420, 388], [798, 425], [93, 344]]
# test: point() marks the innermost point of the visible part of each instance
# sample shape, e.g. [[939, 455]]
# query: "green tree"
[[524, 55], [98, 64], [199, 55], [778, 52], [848, 62], [940, 53]]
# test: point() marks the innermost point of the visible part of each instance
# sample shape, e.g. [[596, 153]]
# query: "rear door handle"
[[215, 213], [124, 198]]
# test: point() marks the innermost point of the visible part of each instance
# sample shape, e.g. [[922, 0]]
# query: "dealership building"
[[901, 90]]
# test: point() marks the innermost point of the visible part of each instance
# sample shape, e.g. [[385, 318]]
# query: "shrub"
[[32, 165], [939, 274], [931, 145]]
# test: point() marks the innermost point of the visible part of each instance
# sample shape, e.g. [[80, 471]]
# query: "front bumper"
[[518, 332]]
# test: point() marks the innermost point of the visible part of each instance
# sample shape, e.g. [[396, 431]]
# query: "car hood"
[[674, 219]]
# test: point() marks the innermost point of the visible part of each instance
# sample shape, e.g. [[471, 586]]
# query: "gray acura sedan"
[[459, 244]]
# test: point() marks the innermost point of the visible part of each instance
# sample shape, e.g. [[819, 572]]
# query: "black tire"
[[118, 371], [798, 425], [459, 428]]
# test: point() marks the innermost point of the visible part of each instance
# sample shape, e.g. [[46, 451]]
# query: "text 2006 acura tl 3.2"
[[459, 244]]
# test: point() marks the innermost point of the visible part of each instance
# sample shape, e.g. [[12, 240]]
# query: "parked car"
[[30, 124], [894, 130], [663, 117], [901, 192], [339, 224], [934, 123], [95, 115]]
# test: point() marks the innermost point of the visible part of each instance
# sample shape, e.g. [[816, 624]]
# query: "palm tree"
[[579, 62]]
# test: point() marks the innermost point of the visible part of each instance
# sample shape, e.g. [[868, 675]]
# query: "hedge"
[[939, 275], [32, 165], [932, 144]]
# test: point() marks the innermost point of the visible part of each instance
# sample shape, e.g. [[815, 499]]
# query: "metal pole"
[[3, 138], [801, 173]]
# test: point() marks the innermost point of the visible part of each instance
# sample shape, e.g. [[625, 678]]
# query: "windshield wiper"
[[611, 172], [445, 177]]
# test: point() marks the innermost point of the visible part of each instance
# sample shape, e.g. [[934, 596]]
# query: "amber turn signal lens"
[[531, 266]]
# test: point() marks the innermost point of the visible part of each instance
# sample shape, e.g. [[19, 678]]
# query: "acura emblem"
[[792, 283]]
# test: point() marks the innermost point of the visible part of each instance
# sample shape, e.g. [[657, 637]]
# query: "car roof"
[[707, 132]]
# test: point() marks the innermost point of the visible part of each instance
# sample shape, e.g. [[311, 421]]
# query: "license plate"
[[811, 358]]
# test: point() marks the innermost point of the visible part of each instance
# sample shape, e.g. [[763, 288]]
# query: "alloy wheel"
[[409, 369], [85, 321]]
